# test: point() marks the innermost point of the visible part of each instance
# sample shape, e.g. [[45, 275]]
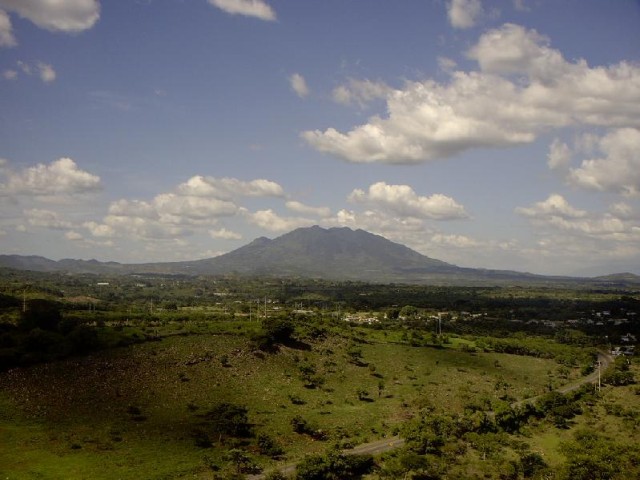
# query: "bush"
[[229, 419], [335, 465], [268, 446], [43, 314]]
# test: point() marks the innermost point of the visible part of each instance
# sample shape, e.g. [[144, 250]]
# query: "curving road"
[[391, 443]]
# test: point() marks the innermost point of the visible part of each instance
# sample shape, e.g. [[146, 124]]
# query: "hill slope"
[[314, 252], [338, 253]]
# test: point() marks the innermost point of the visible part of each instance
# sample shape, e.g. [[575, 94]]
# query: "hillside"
[[339, 253], [314, 252]]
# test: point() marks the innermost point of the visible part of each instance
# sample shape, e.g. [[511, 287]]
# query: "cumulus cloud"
[[192, 206], [464, 13], [99, 229], [559, 156], [403, 200], [554, 206], [617, 226], [251, 8], [10, 74], [299, 85], [452, 240], [271, 221], [46, 72], [56, 15], [617, 170], [228, 188], [6, 31], [625, 211], [46, 219], [59, 178], [521, 6], [523, 87], [299, 207], [73, 236], [224, 234], [360, 92]]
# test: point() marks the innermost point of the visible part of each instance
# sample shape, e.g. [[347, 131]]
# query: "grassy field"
[[135, 412]]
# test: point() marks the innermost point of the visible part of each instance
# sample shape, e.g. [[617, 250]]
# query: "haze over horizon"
[[486, 134]]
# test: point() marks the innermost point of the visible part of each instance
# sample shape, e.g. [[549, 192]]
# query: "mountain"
[[313, 252], [335, 253]]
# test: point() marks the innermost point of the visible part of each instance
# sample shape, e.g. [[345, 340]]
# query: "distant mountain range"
[[315, 252]]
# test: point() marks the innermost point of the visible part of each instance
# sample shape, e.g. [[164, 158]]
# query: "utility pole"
[[24, 299], [599, 363]]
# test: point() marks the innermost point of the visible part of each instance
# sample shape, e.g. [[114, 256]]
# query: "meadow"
[[138, 411]]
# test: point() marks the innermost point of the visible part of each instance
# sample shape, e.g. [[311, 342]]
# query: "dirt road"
[[371, 448]]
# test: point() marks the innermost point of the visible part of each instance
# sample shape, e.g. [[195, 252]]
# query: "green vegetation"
[[165, 377]]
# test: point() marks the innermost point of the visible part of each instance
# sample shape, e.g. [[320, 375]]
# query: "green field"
[[135, 412]]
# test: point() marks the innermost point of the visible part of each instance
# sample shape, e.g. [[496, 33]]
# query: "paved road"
[[391, 443]]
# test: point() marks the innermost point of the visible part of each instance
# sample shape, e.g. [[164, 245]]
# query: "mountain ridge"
[[337, 253]]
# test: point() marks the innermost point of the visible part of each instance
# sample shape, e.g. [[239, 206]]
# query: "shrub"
[[334, 465], [229, 419]]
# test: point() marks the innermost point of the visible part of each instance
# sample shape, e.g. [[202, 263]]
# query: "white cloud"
[[224, 234], [192, 207], [10, 74], [559, 156], [25, 67], [61, 177], [144, 228], [402, 200], [228, 188], [6, 32], [189, 209], [132, 208], [625, 211], [73, 236], [618, 225], [464, 13], [46, 219], [46, 72], [618, 170], [299, 207], [56, 15], [512, 49], [250, 8], [360, 92], [554, 206], [521, 6], [100, 230], [458, 241], [271, 221], [299, 85], [446, 64], [566, 235], [43, 70], [523, 88]]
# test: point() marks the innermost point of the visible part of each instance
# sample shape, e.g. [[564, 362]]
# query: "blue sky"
[[494, 134]]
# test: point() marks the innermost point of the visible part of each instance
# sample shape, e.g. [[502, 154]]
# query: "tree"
[[334, 466], [240, 459], [229, 419], [41, 313]]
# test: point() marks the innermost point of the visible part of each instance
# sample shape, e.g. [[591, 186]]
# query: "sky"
[[489, 134]]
